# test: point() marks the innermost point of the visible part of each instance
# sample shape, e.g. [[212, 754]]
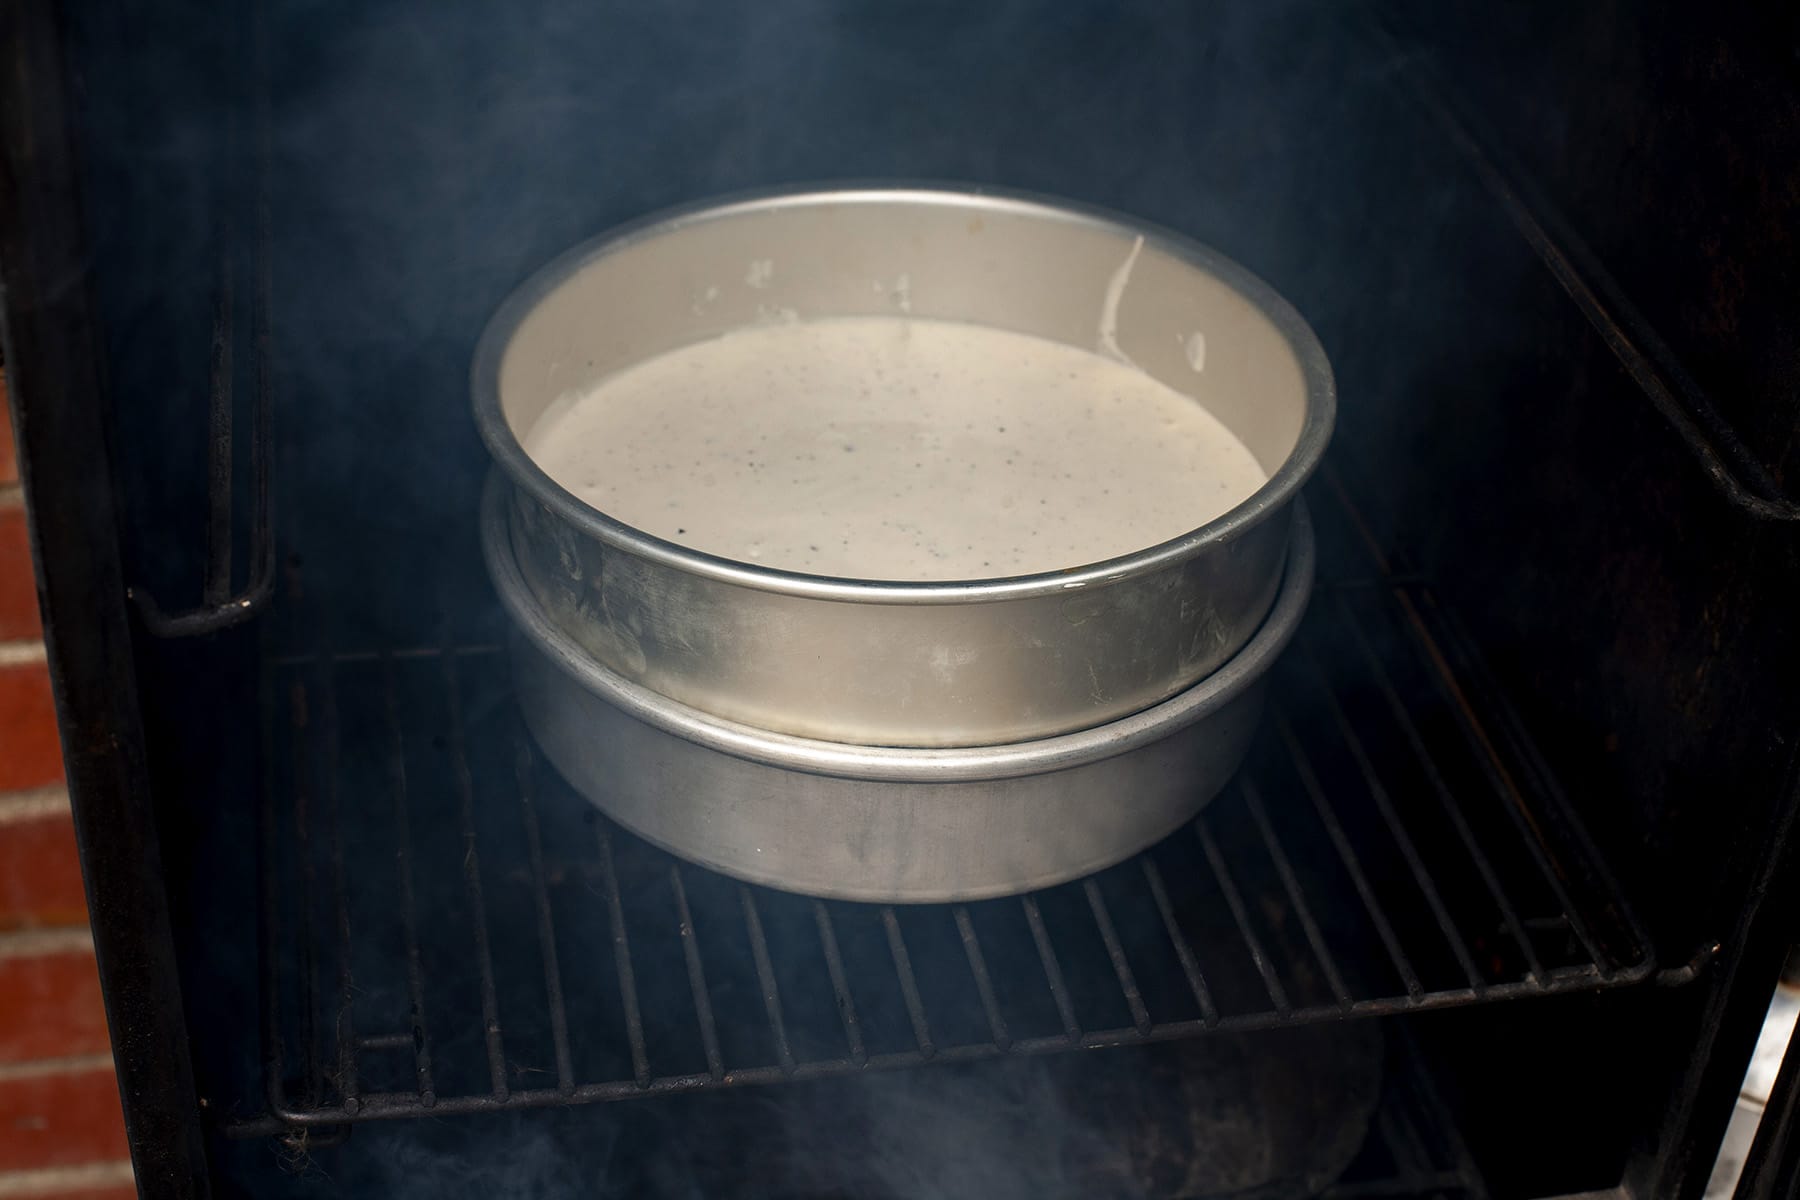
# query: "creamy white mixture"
[[897, 449]]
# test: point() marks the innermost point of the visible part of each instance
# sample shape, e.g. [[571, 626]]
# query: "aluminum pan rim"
[[1282, 486], [899, 764]]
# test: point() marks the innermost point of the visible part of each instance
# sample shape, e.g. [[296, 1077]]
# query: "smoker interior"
[[1522, 796]]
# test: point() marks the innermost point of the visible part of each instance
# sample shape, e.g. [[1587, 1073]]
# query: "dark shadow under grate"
[[449, 929]]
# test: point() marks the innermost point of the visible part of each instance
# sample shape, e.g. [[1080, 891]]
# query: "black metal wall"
[[426, 156]]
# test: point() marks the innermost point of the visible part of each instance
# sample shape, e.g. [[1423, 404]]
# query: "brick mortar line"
[[68, 1064], [31, 943], [11, 494], [21, 653], [36, 804], [46, 1183]]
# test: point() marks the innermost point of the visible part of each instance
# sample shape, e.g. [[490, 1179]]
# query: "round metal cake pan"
[[883, 824], [905, 663]]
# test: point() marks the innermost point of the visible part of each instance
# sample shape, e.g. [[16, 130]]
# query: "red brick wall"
[[61, 1134]]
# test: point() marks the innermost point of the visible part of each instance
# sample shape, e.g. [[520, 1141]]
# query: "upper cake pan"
[[899, 662]]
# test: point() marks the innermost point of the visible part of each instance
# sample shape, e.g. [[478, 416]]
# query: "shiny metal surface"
[[880, 823], [905, 663]]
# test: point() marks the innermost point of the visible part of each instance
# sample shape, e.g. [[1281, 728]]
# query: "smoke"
[[426, 156], [938, 1135], [528, 1164], [1275, 1116]]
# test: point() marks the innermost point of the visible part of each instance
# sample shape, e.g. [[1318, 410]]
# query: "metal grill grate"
[[449, 929]]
